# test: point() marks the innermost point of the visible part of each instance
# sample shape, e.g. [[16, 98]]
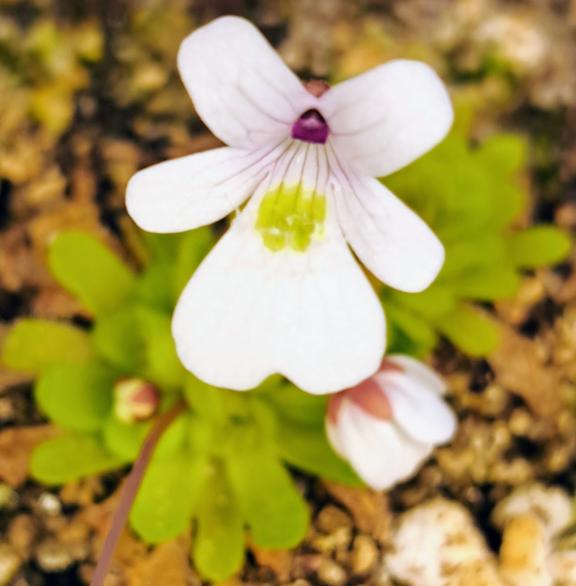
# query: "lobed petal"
[[380, 452], [389, 238], [382, 120], [249, 312], [240, 87], [195, 190]]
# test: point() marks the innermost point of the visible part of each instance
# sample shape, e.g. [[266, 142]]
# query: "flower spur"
[[281, 292]]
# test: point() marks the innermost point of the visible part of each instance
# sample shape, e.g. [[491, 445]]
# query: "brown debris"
[[167, 564], [370, 509], [521, 369], [16, 446]]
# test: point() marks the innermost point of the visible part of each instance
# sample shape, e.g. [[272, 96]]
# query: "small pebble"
[[8, 497], [437, 544], [22, 533], [9, 563], [331, 574], [337, 540], [552, 505], [7, 410], [53, 556], [364, 555], [49, 504], [524, 552], [331, 518]]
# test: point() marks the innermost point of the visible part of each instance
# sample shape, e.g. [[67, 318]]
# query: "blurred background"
[[89, 93]]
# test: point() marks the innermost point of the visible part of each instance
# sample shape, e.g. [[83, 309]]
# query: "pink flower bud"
[[135, 400], [388, 425]]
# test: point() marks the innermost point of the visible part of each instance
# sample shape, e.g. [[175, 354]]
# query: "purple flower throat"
[[311, 127]]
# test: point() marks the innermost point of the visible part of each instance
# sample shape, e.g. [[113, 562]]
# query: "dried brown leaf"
[[370, 509], [521, 369]]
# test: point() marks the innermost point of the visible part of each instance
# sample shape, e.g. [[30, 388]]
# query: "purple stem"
[[130, 490]]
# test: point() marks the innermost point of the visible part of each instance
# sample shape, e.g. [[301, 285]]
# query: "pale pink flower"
[[282, 292]]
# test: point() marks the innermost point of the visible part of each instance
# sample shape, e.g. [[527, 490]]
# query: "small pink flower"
[[282, 292], [388, 425]]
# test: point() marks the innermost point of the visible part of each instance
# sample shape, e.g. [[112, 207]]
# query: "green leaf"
[[76, 396], [218, 545], [467, 254], [504, 152], [163, 366], [307, 448], [203, 398], [296, 405], [152, 289], [433, 303], [539, 246], [499, 282], [138, 340], [161, 248], [270, 503], [168, 495], [125, 439], [34, 344], [90, 271], [70, 457], [175, 439], [194, 246], [471, 330], [118, 339], [412, 325]]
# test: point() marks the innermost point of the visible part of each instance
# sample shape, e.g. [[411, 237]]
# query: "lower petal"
[[195, 190], [389, 238], [249, 312]]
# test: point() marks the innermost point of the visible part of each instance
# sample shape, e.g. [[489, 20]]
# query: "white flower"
[[388, 425], [281, 292]]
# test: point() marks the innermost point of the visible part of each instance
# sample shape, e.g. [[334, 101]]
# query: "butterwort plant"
[[282, 292]]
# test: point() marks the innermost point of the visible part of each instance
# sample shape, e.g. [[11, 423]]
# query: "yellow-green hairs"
[[289, 217]]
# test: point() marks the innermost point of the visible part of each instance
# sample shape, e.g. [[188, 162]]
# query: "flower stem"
[[130, 490]]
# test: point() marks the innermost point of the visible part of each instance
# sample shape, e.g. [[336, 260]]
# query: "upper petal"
[[419, 410], [380, 452], [249, 312], [419, 372], [389, 116], [192, 191], [389, 238], [240, 87]]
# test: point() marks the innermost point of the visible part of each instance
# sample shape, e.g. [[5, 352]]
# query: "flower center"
[[293, 209], [311, 127], [290, 217]]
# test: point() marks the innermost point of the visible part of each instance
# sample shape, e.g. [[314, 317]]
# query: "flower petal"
[[249, 312], [389, 238], [192, 191], [379, 452], [419, 372], [240, 87], [382, 120], [419, 410]]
